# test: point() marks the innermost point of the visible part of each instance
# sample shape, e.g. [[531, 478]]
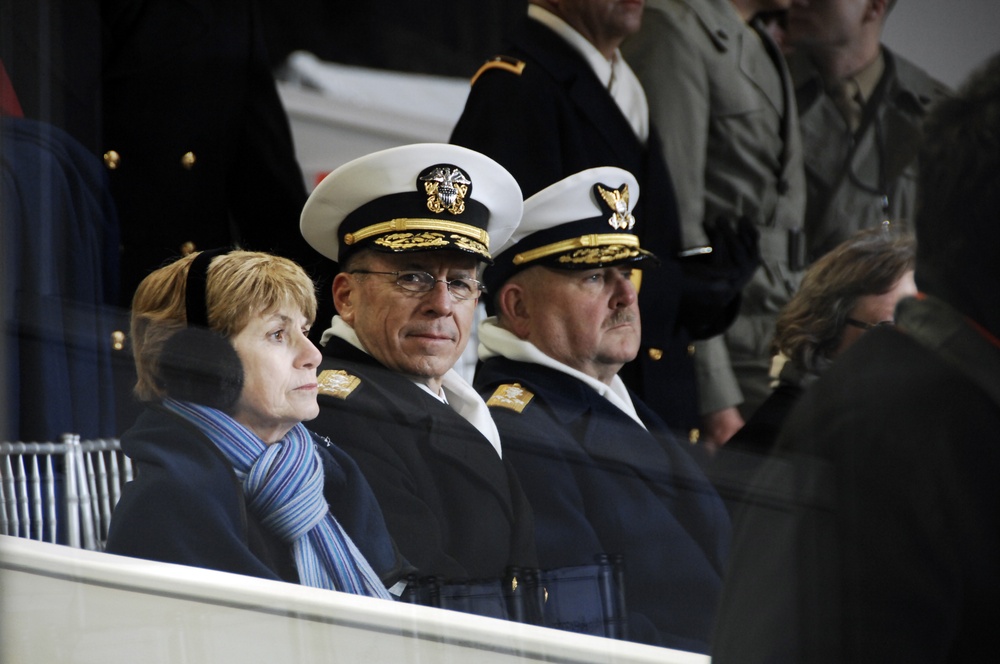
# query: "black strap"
[[869, 117], [787, 92], [196, 306]]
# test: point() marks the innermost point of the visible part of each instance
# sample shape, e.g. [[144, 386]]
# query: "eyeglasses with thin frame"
[[464, 288], [868, 326]]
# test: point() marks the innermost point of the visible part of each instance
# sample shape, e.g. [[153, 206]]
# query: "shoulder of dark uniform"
[[511, 396], [505, 63], [337, 383]]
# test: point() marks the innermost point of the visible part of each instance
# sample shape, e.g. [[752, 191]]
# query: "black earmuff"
[[198, 364]]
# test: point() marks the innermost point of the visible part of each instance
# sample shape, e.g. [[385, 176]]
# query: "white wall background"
[[947, 38]]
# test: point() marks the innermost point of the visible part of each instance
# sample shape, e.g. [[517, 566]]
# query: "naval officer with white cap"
[[604, 474], [411, 228]]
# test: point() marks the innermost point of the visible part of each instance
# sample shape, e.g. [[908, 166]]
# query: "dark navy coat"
[[186, 506], [195, 137], [453, 506], [58, 280], [600, 483]]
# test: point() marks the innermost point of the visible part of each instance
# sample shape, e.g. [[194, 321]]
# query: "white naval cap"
[[581, 222], [420, 197]]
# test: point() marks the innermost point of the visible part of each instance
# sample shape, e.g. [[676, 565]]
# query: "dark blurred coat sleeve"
[[194, 135]]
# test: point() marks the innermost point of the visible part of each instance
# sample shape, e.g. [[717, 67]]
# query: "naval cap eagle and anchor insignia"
[[447, 187], [617, 199]]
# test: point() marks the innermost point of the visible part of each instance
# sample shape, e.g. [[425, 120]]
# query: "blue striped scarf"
[[283, 483]]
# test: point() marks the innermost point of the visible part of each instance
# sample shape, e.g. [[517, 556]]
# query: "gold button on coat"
[[188, 248], [187, 161], [655, 354], [112, 159]]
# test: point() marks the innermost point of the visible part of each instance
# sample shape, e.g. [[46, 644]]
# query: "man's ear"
[[344, 296], [514, 309], [877, 9]]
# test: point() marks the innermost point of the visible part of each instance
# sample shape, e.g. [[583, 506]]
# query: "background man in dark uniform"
[[196, 142], [603, 473], [411, 227], [178, 101], [561, 100], [195, 138]]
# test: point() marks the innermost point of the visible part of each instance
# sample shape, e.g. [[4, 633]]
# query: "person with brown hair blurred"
[[850, 290]]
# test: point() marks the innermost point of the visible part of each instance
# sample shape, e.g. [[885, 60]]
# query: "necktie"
[[850, 103]]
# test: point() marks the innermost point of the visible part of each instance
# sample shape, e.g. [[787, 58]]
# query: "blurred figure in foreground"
[[873, 534]]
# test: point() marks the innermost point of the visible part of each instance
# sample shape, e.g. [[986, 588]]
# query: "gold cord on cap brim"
[[398, 225], [592, 240]]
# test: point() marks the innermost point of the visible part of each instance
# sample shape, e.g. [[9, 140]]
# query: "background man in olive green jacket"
[[861, 108]]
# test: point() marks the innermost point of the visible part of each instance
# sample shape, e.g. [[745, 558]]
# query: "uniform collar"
[[495, 341], [615, 75], [906, 86], [458, 395], [601, 65], [869, 76]]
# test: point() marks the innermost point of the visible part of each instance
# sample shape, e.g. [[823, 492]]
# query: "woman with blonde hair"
[[228, 476]]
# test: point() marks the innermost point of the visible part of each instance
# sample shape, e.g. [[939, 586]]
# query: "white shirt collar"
[[340, 328], [496, 341], [456, 390], [623, 84]]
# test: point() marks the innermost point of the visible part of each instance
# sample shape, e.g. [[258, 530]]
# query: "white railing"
[[71, 481], [60, 604]]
